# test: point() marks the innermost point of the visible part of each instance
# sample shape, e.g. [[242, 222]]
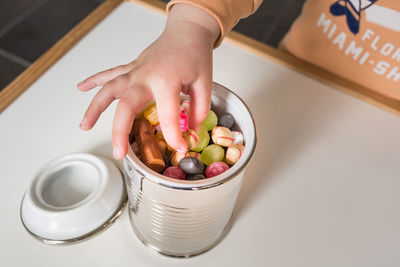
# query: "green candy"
[[211, 121], [204, 139], [211, 154]]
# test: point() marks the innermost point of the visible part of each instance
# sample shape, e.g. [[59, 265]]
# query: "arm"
[[226, 12]]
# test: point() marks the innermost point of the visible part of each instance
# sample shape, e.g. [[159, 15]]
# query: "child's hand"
[[179, 60]]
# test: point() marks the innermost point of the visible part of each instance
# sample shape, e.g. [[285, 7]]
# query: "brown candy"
[[162, 145], [149, 150]]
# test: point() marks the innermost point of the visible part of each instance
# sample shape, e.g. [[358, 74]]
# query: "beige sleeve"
[[226, 12]]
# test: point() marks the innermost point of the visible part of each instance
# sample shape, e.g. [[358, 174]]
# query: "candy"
[[170, 149], [183, 120], [195, 177], [193, 154], [159, 136], [191, 165], [211, 120], [166, 161], [237, 137], [186, 105], [135, 149], [204, 139], [233, 153], [162, 145], [226, 120], [191, 138], [222, 136], [150, 153], [131, 137], [151, 114], [176, 157], [211, 154], [175, 172], [216, 168]]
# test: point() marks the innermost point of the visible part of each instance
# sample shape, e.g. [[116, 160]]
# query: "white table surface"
[[323, 188]]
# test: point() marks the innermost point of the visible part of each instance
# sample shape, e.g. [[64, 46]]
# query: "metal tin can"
[[184, 218]]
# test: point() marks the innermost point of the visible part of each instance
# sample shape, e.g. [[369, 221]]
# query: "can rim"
[[157, 178]]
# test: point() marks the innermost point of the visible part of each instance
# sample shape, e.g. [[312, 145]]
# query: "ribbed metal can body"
[[180, 222], [184, 218]]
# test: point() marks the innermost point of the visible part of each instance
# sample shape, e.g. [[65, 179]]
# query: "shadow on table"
[[288, 119], [105, 150]]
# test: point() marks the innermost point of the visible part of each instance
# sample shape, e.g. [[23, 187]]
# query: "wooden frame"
[[31, 74]]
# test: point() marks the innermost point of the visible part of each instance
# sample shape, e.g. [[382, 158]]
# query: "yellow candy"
[[151, 114]]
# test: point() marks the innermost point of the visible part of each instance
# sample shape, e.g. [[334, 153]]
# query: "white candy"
[[222, 136], [237, 137], [176, 158], [233, 153]]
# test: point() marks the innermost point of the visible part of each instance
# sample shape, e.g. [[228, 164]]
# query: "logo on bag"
[[352, 10]]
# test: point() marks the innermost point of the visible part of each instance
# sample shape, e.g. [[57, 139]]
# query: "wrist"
[[198, 20]]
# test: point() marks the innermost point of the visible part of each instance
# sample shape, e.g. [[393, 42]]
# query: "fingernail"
[[86, 84], [117, 152], [83, 122], [182, 150]]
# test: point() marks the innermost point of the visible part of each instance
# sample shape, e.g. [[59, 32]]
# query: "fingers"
[[112, 90], [101, 78], [168, 103], [127, 108], [200, 100]]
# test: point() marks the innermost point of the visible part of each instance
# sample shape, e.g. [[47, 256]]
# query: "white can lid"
[[72, 198]]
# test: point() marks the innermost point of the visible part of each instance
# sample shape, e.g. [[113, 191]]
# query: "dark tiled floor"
[[44, 26], [271, 21], [29, 27], [9, 70], [10, 10]]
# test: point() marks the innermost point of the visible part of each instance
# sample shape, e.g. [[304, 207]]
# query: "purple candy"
[[216, 168], [175, 172]]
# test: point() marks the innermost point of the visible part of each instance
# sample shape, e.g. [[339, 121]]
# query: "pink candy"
[[216, 168], [175, 172], [183, 120]]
